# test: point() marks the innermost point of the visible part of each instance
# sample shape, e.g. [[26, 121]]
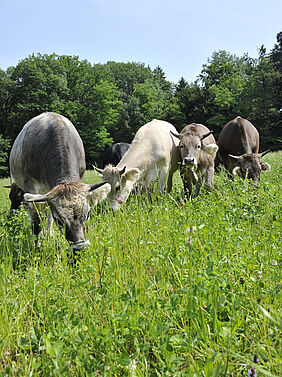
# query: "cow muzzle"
[[79, 245], [189, 162]]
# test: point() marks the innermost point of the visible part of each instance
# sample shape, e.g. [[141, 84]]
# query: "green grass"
[[164, 289]]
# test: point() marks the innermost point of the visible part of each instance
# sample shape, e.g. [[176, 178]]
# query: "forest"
[[109, 102]]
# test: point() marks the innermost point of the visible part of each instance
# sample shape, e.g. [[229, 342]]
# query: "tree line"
[[109, 102]]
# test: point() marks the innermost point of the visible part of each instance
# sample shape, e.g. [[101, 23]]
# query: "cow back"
[[238, 137], [48, 151]]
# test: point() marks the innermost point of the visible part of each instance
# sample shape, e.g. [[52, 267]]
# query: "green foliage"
[[4, 147], [165, 289], [109, 102]]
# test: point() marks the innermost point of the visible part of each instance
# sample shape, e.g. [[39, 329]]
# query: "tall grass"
[[166, 288]]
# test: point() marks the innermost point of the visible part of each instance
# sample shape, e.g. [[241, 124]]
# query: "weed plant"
[[167, 288]]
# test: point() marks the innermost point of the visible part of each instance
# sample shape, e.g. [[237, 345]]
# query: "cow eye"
[[199, 146], [181, 146], [117, 187]]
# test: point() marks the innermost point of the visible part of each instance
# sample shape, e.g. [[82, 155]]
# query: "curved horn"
[[263, 153], [94, 186], [9, 186], [235, 157], [236, 170], [206, 135], [175, 135], [122, 171], [98, 169]]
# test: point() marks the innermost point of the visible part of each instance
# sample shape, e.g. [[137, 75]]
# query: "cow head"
[[250, 165], [190, 147], [122, 182], [70, 208], [16, 196]]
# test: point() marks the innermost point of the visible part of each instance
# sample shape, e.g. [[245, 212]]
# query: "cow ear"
[[265, 166], [131, 175], [236, 170], [210, 148], [35, 197], [175, 135], [94, 186]]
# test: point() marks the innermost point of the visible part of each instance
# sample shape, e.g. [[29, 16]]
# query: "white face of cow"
[[121, 183], [69, 207]]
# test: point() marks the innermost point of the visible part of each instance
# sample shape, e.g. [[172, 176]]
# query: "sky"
[[177, 35]]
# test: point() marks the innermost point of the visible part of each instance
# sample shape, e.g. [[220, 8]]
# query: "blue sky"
[[178, 35]]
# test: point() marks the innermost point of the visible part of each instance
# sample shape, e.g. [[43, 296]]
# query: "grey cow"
[[238, 144], [197, 157], [47, 162]]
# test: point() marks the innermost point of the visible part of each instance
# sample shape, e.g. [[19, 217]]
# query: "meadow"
[[165, 289]]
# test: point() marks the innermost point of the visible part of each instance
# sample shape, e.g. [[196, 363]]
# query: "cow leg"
[[209, 177], [50, 221], [162, 180], [34, 220], [187, 183], [198, 186]]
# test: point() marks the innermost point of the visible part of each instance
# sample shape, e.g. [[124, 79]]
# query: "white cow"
[[153, 155]]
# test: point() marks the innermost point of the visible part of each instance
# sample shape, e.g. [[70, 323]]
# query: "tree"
[[4, 147]]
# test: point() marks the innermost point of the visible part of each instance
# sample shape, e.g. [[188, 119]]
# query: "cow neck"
[[63, 178]]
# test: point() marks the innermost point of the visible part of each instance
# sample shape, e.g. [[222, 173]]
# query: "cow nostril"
[[189, 161]]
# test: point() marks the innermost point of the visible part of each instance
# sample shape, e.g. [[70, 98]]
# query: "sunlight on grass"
[[167, 288]]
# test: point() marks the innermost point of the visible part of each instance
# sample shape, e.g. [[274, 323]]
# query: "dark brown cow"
[[197, 157], [238, 145], [16, 196]]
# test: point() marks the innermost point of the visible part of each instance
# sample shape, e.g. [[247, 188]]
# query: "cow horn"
[[122, 171], [236, 170], [7, 186], [98, 169], [94, 186], [263, 153], [206, 135], [175, 135], [235, 157], [35, 197]]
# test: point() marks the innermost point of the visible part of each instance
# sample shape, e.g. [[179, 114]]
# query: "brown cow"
[[16, 196], [197, 157], [238, 145]]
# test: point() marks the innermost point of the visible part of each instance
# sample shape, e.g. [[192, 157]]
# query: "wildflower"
[[242, 281], [274, 263], [256, 359], [182, 202], [252, 372], [119, 200], [132, 365]]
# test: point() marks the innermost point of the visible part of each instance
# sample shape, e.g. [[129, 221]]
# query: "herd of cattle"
[[47, 164]]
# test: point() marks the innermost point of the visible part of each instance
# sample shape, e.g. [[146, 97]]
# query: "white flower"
[[132, 365]]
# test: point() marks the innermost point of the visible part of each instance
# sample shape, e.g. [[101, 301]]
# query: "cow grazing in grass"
[[153, 155], [238, 144], [114, 154], [47, 162], [16, 196], [197, 149]]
